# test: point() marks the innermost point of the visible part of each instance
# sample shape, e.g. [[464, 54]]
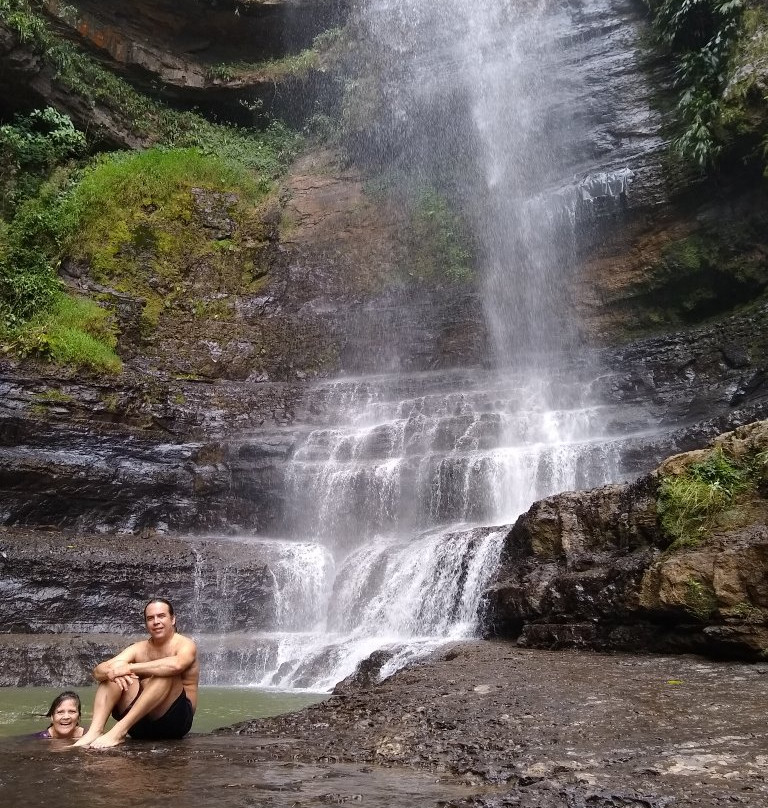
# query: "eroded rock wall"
[[596, 570]]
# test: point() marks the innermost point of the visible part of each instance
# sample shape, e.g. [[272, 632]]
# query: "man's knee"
[[158, 684]]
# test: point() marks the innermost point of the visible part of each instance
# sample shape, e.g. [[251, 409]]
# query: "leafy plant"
[[30, 148], [700, 34], [73, 331], [29, 250], [268, 152]]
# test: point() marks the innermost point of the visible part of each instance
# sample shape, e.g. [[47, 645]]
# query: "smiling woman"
[[64, 713]]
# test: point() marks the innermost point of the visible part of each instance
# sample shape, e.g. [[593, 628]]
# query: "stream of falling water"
[[398, 490]]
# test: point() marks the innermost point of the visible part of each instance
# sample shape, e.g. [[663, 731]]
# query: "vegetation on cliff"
[[439, 244], [296, 65], [720, 54], [128, 218], [705, 493], [720, 266]]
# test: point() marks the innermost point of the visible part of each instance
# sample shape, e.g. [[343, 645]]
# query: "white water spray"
[[395, 492]]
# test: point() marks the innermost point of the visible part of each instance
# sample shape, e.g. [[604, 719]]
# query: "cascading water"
[[400, 479]]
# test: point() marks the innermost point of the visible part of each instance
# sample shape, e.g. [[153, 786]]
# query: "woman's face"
[[65, 719]]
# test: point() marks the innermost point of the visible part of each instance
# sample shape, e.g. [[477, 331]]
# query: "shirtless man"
[[150, 688]]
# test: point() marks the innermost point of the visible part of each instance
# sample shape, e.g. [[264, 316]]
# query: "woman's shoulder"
[[46, 733]]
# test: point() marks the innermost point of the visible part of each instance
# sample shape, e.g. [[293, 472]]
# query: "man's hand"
[[125, 681], [120, 673]]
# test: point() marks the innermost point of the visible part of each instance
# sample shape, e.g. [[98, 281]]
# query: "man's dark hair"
[[158, 600]]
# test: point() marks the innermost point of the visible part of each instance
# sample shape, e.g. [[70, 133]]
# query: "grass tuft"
[[690, 504]]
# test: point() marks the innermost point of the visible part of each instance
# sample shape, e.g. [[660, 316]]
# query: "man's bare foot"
[[87, 739], [107, 741]]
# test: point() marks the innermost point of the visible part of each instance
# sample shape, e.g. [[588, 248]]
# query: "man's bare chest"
[[148, 652]]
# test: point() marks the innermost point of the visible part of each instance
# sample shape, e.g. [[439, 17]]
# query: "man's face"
[[159, 622]]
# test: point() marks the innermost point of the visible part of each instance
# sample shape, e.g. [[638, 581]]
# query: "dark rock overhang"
[[170, 50]]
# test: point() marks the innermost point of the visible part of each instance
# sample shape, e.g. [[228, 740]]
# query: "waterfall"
[[399, 490]]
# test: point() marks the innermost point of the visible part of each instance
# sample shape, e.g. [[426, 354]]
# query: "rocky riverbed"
[[536, 728], [480, 724]]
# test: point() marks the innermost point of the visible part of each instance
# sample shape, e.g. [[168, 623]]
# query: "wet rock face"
[[47, 661], [55, 583], [118, 456], [595, 570]]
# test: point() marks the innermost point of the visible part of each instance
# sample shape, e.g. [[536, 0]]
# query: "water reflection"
[[201, 771]]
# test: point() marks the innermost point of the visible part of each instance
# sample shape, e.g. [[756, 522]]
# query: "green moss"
[[140, 229], [747, 612], [54, 397], [73, 331], [111, 402], [213, 309], [438, 243], [710, 273], [700, 598]]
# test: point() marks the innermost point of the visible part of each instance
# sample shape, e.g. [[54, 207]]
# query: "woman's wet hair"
[[67, 695], [158, 600]]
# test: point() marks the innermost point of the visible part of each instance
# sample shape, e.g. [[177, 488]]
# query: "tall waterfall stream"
[[401, 487]]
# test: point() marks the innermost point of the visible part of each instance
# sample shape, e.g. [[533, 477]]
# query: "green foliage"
[[690, 503], [29, 250], [139, 224], [266, 152], [20, 17], [294, 66], [701, 35], [54, 397], [130, 218], [30, 148], [72, 331], [438, 242], [717, 269]]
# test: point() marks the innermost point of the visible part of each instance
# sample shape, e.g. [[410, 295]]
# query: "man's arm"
[[106, 671], [175, 665]]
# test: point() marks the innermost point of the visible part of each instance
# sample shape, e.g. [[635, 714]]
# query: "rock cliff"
[[193, 437]]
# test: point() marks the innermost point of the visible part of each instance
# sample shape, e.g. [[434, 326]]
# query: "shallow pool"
[[22, 709]]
